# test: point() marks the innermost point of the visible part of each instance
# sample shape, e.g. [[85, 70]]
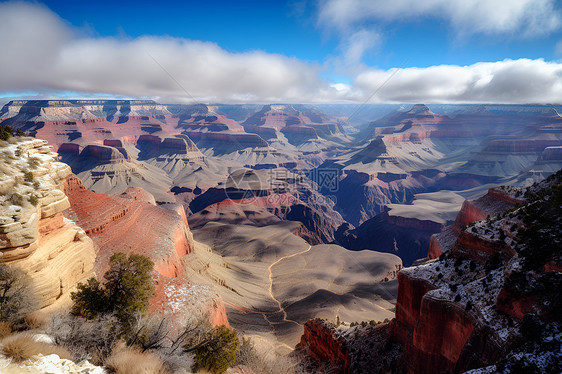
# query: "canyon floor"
[[272, 280]]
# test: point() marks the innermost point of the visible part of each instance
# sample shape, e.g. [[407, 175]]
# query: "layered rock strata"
[[35, 236], [132, 223]]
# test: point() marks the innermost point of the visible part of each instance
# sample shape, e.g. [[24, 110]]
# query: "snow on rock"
[[51, 364]]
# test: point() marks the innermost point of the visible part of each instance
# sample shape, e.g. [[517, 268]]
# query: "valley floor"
[[272, 281]]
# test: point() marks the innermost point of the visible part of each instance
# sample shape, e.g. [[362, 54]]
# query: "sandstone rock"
[[132, 224], [53, 250], [495, 201]]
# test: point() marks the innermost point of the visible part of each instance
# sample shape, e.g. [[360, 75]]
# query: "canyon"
[[280, 220]]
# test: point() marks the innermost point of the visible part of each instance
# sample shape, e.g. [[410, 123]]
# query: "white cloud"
[[524, 17], [508, 81], [355, 45], [41, 53]]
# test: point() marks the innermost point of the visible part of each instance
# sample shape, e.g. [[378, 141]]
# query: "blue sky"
[[290, 28], [326, 50]]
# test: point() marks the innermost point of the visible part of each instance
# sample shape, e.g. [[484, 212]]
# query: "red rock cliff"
[[133, 223], [130, 223], [323, 347]]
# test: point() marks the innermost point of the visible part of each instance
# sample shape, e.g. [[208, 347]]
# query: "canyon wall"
[[131, 222], [322, 346]]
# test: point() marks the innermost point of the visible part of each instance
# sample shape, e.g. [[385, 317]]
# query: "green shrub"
[[6, 132], [127, 290], [90, 300], [502, 235], [218, 353], [493, 262], [33, 200], [531, 327], [19, 132], [129, 284], [28, 176]]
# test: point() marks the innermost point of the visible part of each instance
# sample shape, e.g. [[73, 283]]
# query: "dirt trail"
[[281, 309]]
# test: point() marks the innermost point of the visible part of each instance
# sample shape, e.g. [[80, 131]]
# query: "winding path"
[[281, 309]]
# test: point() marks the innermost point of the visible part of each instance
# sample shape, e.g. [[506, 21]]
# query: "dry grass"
[[21, 347], [259, 355], [36, 320], [5, 329], [125, 360]]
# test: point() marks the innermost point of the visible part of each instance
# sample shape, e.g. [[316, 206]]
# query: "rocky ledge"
[[34, 234]]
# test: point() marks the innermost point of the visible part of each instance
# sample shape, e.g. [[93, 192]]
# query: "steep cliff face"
[[280, 193], [492, 298], [362, 194], [464, 310], [431, 324], [325, 348], [132, 223], [111, 168], [328, 348], [60, 121], [497, 200], [34, 233], [407, 238]]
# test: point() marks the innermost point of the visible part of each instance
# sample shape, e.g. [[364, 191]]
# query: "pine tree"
[[127, 290]]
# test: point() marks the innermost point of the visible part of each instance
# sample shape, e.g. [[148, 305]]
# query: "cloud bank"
[[42, 53], [524, 17], [508, 81]]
